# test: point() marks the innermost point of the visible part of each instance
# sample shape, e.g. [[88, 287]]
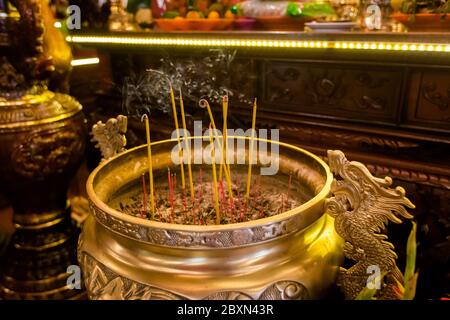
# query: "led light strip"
[[84, 62], [258, 43]]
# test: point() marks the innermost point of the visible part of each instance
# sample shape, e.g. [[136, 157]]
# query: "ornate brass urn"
[[42, 140], [296, 254]]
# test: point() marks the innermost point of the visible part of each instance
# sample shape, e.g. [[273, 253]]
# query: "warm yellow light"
[[257, 43], [84, 62], [57, 25]]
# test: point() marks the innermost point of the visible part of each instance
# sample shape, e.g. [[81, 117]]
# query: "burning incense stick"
[[204, 104], [150, 164], [250, 153], [175, 117], [215, 190], [191, 182], [224, 135]]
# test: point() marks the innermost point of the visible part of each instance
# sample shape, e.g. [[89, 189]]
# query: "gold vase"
[[42, 140]]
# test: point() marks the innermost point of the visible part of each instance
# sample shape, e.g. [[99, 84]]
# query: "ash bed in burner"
[[270, 195]]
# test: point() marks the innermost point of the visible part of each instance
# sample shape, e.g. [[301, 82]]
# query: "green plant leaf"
[[410, 269]]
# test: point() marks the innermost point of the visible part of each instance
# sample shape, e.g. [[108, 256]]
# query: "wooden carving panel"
[[429, 98], [349, 92]]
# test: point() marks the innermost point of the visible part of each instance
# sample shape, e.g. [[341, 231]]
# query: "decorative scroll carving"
[[437, 98], [419, 177], [47, 152], [369, 81], [279, 93], [110, 136], [366, 102], [104, 284], [285, 290], [362, 206], [326, 89], [347, 139], [289, 74], [213, 239], [416, 176], [9, 77]]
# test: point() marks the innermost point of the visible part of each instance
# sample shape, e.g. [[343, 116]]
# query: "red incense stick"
[[170, 192]]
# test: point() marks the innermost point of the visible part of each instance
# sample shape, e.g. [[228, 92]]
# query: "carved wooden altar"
[[387, 109]]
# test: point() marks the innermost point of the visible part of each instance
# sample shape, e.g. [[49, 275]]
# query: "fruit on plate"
[[194, 15], [229, 15], [213, 15]]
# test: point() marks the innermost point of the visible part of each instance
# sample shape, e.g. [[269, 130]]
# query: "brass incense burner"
[[42, 140], [296, 254]]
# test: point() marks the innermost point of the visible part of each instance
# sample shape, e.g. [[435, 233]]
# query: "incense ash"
[[269, 196]]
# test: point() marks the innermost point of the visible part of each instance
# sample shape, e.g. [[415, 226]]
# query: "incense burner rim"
[[159, 233]]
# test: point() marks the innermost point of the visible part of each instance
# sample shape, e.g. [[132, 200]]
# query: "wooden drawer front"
[[429, 99], [348, 92]]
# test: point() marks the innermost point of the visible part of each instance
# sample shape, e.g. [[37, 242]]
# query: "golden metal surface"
[[110, 136], [293, 255], [42, 140], [362, 206]]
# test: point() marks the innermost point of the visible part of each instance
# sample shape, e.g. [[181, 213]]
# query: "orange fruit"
[[213, 15], [192, 15], [178, 18], [229, 15]]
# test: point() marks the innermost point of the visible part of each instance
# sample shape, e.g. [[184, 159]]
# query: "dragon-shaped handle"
[[110, 136], [362, 206]]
